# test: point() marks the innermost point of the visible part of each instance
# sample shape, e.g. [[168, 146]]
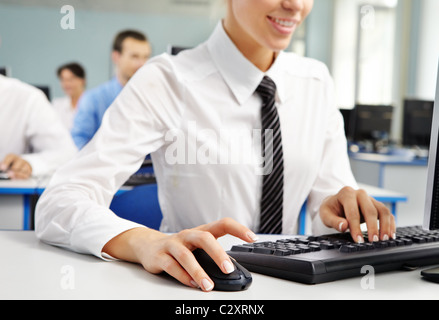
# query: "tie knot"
[[267, 89]]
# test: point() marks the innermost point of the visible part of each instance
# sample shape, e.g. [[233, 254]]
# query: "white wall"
[[34, 45], [428, 52]]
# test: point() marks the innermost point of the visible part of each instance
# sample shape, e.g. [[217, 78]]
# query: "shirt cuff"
[[91, 237]]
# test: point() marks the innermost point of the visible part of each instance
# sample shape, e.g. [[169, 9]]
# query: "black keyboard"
[[319, 259], [139, 179]]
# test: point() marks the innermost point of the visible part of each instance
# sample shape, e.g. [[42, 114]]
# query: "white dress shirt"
[[63, 106], [197, 114], [29, 127]]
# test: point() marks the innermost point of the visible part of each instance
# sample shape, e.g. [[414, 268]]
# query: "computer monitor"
[[348, 122], [174, 50], [371, 122], [431, 218], [418, 116], [46, 91], [5, 71]]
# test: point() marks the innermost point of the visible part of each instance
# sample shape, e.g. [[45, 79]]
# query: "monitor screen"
[[347, 117], [174, 50], [371, 122], [46, 91], [4, 71], [431, 218], [418, 116]]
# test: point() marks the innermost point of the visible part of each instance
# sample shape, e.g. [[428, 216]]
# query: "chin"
[[278, 46]]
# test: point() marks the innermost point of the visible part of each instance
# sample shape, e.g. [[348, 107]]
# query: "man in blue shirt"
[[131, 50]]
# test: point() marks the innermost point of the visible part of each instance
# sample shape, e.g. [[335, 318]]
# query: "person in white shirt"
[[33, 141], [72, 78], [198, 115]]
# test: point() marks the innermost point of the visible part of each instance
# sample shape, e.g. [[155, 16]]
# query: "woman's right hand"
[[158, 252]]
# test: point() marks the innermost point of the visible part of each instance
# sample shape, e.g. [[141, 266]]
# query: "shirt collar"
[[240, 74]]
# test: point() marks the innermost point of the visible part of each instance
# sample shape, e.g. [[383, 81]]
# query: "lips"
[[283, 25]]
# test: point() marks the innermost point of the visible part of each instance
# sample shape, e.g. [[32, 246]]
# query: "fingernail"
[[252, 236], [340, 226], [394, 236], [360, 239], [228, 266], [375, 238], [207, 285], [386, 237]]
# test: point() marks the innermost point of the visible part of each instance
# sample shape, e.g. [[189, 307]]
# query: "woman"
[[187, 111], [73, 81]]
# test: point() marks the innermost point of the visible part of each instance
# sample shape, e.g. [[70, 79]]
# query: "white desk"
[[30, 269]]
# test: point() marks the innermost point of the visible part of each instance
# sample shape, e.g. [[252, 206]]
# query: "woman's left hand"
[[350, 208]]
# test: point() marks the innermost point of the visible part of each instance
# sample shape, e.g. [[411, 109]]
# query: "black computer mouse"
[[431, 275], [238, 280], [4, 175]]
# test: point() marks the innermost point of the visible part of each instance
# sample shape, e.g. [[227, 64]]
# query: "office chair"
[[139, 205]]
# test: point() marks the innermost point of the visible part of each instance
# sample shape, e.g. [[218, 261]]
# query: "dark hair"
[[120, 38], [75, 68]]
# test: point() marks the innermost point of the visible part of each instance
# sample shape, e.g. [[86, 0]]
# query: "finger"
[[17, 167], [7, 161], [331, 213], [229, 226], [387, 221], [187, 261], [23, 175], [174, 269], [21, 169], [206, 241], [369, 213], [348, 200]]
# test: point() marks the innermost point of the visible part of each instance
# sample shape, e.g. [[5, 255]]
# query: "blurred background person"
[[33, 141], [72, 78], [131, 50]]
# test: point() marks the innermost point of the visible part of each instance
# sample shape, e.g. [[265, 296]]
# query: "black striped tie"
[[272, 153]]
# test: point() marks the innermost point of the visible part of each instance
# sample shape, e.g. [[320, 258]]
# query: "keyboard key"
[[381, 244], [303, 241], [283, 253], [315, 248], [391, 243], [348, 248], [419, 240], [242, 249], [263, 250], [327, 246], [304, 249]]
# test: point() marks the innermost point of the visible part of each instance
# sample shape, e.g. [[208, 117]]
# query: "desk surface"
[[389, 159], [30, 269]]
